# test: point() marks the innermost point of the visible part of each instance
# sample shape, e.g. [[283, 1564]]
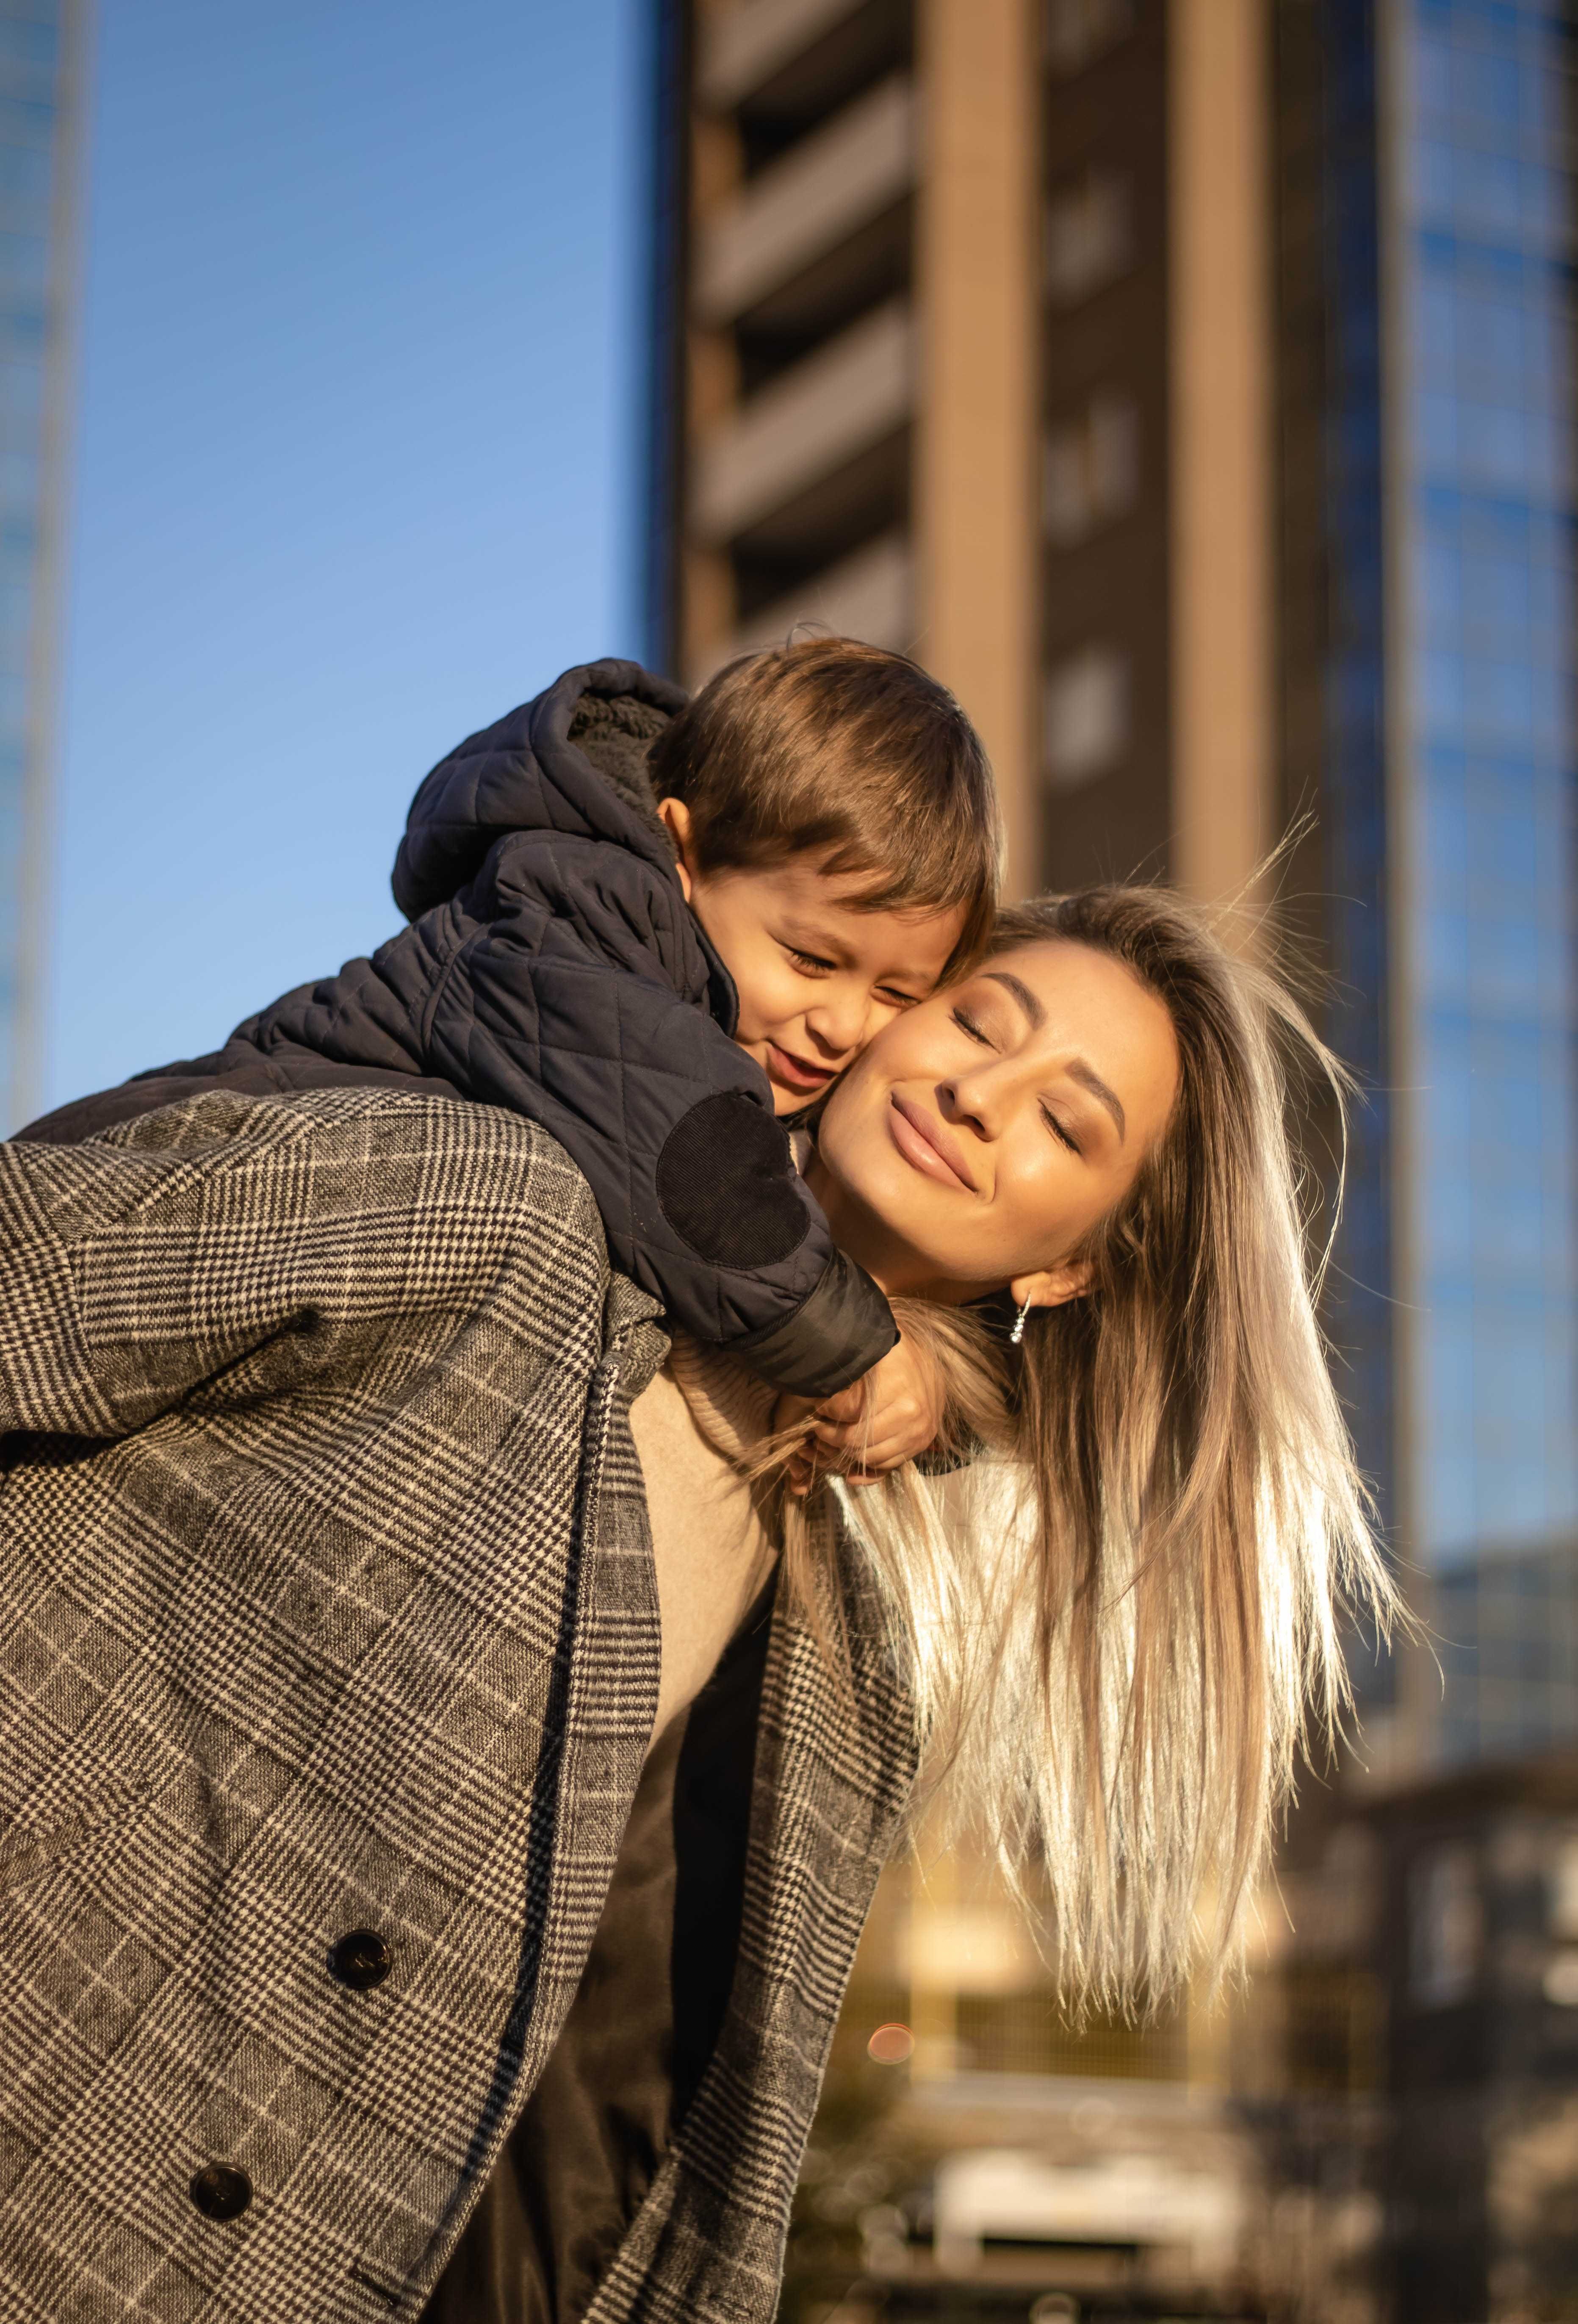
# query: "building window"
[[1090, 468], [1077, 31], [1561, 1973], [1564, 1888], [1087, 715], [1446, 1926], [1089, 235]]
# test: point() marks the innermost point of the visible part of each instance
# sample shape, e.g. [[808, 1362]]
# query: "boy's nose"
[[837, 1025]]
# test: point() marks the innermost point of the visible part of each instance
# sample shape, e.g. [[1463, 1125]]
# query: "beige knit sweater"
[[694, 1428]]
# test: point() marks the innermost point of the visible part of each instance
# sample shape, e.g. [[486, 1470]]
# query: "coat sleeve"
[[580, 1000], [232, 1246]]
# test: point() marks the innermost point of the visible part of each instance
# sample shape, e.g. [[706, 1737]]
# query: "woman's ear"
[[676, 815], [1052, 1286]]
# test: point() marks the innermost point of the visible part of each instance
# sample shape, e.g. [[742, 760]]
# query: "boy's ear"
[[676, 819], [1052, 1286]]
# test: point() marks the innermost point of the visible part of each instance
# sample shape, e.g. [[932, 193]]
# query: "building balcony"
[[744, 51], [816, 419], [869, 594], [793, 217]]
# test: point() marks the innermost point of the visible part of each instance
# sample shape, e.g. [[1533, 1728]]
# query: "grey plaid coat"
[[328, 1606]]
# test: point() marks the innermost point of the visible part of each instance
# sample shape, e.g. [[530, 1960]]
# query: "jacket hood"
[[575, 760]]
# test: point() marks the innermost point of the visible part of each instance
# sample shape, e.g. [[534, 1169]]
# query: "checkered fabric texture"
[[327, 1604]]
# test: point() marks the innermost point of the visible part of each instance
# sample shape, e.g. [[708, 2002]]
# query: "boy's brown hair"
[[828, 746]]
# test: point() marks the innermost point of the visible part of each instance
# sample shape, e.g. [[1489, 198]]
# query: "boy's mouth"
[[797, 1073]]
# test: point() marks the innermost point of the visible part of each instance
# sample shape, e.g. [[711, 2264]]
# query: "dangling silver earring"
[[1017, 1334]]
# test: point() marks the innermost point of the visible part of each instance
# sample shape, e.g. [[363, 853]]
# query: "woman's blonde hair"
[[1120, 1622]]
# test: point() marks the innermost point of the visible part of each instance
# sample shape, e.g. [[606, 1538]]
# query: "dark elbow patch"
[[726, 1184]]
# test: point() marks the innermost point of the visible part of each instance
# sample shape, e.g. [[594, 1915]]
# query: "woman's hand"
[[888, 1418]]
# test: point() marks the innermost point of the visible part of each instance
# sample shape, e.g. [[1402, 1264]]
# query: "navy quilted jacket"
[[553, 966]]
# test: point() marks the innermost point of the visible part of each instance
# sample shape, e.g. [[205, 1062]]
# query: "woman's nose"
[[974, 1101]]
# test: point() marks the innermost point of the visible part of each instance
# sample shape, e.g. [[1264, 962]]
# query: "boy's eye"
[[808, 961], [897, 1000]]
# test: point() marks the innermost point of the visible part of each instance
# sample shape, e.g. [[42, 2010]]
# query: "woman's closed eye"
[[1059, 1130], [973, 1027]]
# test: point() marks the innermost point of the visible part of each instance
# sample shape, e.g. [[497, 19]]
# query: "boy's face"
[[816, 977]]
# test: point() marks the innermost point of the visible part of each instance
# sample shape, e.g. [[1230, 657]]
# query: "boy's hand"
[[888, 1418]]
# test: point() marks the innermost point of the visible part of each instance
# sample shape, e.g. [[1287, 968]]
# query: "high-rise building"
[[1425, 648], [1189, 384], [1473, 158], [42, 64]]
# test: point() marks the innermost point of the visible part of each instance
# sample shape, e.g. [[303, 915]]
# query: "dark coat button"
[[361, 1959], [220, 2190]]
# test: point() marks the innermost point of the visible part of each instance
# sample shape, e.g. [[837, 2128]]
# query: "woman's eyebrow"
[[1089, 1079], [1022, 993]]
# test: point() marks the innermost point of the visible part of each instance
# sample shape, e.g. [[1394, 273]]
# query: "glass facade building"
[[1483, 509], [1448, 801], [39, 49], [1487, 505]]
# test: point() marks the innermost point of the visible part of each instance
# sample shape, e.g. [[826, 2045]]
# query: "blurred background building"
[[42, 52], [1189, 384]]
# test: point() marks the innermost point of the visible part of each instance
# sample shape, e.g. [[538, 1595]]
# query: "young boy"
[[653, 925], [815, 795]]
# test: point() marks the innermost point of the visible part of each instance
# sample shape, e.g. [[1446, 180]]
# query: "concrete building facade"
[[925, 374]]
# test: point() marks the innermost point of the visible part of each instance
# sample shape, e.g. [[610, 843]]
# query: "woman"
[[1120, 1687], [1111, 1633], [333, 1654]]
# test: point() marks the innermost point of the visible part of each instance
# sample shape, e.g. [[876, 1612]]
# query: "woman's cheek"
[[1027, 1202]]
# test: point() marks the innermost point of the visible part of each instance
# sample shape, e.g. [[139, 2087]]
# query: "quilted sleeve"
[[579, 1001], [231, 1246]]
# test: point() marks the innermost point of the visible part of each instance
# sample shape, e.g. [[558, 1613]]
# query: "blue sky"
[[355, 451]]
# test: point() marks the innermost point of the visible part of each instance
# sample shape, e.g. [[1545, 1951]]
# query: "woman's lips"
[[927, 1145], [796, 1073]]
